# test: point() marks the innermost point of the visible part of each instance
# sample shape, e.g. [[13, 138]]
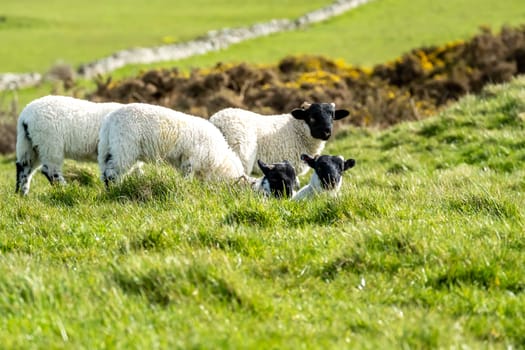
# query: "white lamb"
[[327, 176], [143, 132], [275, 137], [52, 128]]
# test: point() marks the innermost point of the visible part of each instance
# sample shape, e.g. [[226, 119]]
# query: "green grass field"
[[374, 33], [423, 249], [37, 34]]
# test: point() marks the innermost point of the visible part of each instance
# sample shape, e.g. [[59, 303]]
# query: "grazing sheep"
[[143, 132], [53, 128], [279, 180], [327, 176], [274, 137]]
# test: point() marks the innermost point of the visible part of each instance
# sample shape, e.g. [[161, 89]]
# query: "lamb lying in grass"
[[327, 176], [279, 180], [143, 132], [275, 137], [53, 128]]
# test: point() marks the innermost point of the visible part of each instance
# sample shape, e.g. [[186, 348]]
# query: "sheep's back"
[[65, 123]]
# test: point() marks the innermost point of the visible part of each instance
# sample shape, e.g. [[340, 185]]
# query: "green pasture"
[[379, 31], [37, 34], [423, 249], [371, 34]]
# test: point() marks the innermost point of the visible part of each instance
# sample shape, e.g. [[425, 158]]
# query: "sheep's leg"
[[53, 173], [24, 172], [52, 158], [248, 154], [109, 176], [115, 167], [186, 168], [110, 173], [27, 161]]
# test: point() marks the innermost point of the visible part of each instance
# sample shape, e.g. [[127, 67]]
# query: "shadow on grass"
[[318, 211], [480, 275], [482, 204], [242, 243], [165, 285], [377, 253], [68, 195], [152, 240], [160, 183], [20, 292]]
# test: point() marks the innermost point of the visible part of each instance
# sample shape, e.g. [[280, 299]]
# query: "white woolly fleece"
[[61, 127], [314, 187], [271, 138], [143, 132], [53, 128]]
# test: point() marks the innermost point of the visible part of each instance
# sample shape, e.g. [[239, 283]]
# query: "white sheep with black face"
[[142, 132], [53, 128], [275, 137], [279, 179], [327, 176]]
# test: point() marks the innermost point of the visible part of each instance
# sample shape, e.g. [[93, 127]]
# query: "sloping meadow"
[[426, 237]]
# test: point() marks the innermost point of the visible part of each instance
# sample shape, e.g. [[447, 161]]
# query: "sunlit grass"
[[35, 35], [426, 237]]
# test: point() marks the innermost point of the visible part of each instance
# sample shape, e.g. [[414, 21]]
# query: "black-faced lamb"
[[327, 176], [279, 179]]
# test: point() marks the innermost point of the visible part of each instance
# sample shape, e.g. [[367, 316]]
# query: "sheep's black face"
[[320, 117], [279, 179], [329, 169]]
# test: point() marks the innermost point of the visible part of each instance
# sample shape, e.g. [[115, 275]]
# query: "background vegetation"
[[44, 33], [373, 34]]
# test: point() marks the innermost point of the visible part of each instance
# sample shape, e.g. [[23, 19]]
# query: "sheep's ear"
[[299, 113], [308, 160], [306, 105], [340, 114], [262, 165], [349, 163]]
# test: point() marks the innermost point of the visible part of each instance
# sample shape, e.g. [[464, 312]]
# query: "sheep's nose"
[[327, 133]]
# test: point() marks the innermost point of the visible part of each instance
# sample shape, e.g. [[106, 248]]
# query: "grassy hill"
[[377, 32], [374, 33], [423, 249], [35, 34]]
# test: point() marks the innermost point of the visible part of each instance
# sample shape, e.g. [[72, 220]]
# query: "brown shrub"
[[8, 114], [411, 87]]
